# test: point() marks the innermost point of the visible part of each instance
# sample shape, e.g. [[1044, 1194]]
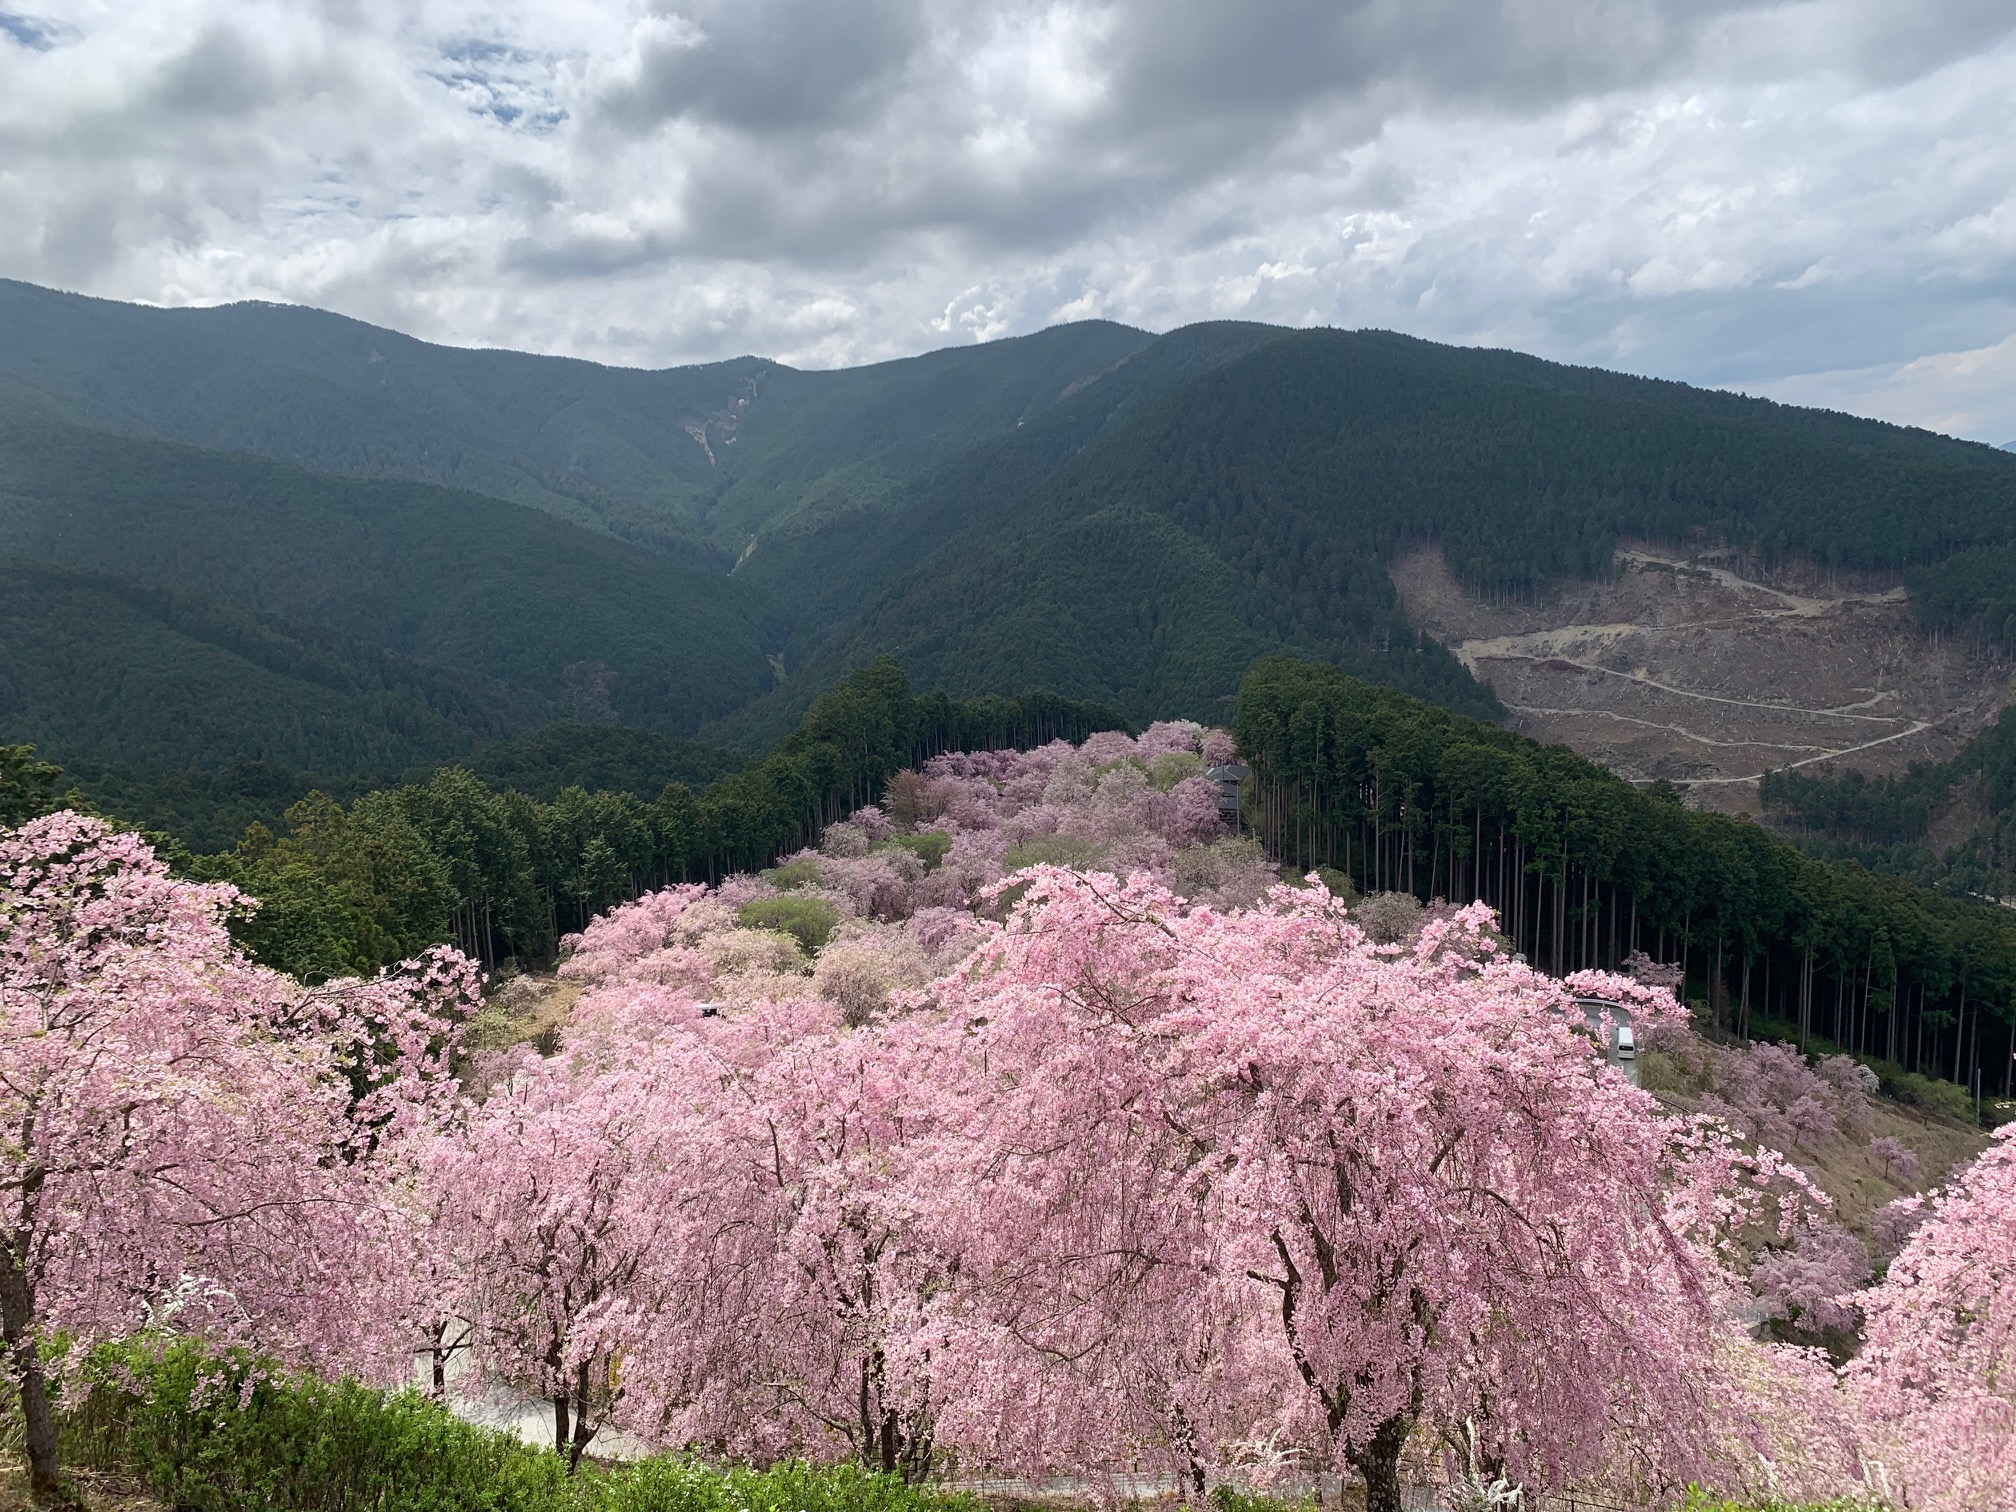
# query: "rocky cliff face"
[[1707, 670]]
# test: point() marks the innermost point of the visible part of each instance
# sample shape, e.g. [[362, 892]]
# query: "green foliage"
[[1232, 1499], [28, 788], [343, 892], [1702, 1501], [809, 921], [805, 872], [930, 846], [611, 449], [208, 809], [598, 758], [1172, 767], [674, 1485], [504, 875], [461, 582], [1882, 822], [1339, 885], [1940, 1098], [1122, 518], [231, 1434], [114, 670], [1146, 555]]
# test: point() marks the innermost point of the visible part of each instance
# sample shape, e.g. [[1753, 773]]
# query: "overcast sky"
[[1815, 201]]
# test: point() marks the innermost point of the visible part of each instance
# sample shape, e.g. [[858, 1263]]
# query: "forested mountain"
[[209, 807], [109, 666], [1253, 506], [1120, 517], [490, 589], [671, 457]]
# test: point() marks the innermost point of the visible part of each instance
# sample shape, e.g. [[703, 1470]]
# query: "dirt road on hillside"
[[1706, 671]]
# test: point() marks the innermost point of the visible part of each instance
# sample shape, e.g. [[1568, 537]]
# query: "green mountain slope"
[[597, 758], [444, 576], [1123, 517], [821, 563], [661, 457], [817, 445], [111, 668], [1255, 506], [1886, 824]]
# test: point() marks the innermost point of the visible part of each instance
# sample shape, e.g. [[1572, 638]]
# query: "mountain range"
[[265, 534]]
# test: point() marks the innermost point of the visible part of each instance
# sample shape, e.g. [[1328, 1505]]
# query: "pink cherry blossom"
[[192, 1142]]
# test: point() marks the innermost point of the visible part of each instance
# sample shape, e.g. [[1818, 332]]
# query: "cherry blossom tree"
[[1897, 1157], [850, 1125], [584, 1205], [1937, 1374], [187, 1140], [1400, 1167]]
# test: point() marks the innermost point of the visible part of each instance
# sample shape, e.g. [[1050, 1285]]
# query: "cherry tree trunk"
[[17, 1328], [583, 1430], [1379, 1463]]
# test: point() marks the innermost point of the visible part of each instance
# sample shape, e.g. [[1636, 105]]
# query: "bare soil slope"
[[1706, 670]]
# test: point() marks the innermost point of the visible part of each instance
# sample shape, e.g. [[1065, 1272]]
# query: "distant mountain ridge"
[[1112, 514], [684, 458]]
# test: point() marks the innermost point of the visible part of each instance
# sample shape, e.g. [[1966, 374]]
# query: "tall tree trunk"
[[582, 1432], [1379, 1463], [17, 1330]]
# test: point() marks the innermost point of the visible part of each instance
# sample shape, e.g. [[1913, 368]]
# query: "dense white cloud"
[[1815, 200]]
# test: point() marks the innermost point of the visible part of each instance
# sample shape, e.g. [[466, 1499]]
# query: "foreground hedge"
[[226, 1434]]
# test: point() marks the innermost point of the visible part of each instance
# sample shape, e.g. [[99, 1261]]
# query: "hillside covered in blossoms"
[[1031, 1123]]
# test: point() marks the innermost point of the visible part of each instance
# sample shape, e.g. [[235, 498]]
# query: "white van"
[[1627, 1043]]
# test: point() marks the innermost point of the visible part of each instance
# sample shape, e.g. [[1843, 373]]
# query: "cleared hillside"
[[1255, 503]]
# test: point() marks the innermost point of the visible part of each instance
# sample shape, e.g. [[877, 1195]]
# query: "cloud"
[[1964, 393], [1730, 191]]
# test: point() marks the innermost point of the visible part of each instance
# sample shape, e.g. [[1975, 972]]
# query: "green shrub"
[[1335, 882], [1943, 1099], [673, 1485], [804, 872], [1231, 1499], [1105, 768], [929, 847], [227, 1434], [810, 921], [1171, 767]]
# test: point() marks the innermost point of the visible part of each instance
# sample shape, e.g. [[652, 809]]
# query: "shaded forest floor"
[[95, 1492]]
